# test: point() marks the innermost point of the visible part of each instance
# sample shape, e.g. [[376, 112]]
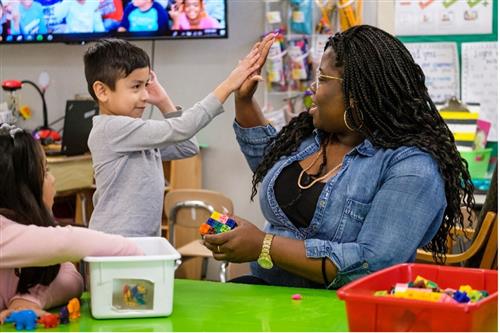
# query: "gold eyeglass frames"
[[319, 76]]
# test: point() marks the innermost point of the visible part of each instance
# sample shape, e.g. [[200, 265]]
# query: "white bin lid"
[[155, 248]]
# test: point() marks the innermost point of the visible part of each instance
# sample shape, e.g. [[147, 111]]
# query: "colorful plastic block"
[[445, 298], [461, 297], [381, 293], [217, 223]]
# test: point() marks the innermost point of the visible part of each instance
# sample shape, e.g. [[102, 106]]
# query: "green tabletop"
[[213, 306]]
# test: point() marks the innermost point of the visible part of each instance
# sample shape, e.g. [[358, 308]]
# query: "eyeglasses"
[[315, 84]]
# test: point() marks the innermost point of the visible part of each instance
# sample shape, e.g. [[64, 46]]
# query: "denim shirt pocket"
[[353, 216]]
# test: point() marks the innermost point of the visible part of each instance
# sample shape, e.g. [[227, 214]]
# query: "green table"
[[213, 306]]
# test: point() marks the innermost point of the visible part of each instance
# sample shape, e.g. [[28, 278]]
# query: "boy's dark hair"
[[112, 59], [21, 196]]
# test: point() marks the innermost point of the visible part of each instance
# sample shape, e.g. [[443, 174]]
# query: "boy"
[[144, 15], [80, 16], [127, 150], [27, 18]]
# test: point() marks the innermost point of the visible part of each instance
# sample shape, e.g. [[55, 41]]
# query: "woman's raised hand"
[[247, 89]]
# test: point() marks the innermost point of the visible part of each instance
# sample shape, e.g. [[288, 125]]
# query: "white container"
[[134, 286]]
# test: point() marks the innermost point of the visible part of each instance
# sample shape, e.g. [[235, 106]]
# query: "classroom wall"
[[187, 69]]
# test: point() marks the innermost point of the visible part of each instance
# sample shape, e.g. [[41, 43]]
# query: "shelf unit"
[[281, 104]]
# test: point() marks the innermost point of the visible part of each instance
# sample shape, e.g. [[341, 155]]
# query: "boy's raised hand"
[[247, 89], [246, 69], [158, 96]]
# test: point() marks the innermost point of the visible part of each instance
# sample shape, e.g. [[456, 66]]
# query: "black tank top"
[[297, 204]]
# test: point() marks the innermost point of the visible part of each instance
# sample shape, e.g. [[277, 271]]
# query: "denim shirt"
[[375, 212]]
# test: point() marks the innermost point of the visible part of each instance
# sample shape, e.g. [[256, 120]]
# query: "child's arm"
[[31, 245], [125, 134], [21, 304], [125, 24], [180, 150], [158, 96], [174, 13], [162, 18], [245, 70], [98, 24], [61, 10], [67, 284]]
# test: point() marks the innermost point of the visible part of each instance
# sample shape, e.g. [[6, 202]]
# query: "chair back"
[[484, 245], [186, 210]]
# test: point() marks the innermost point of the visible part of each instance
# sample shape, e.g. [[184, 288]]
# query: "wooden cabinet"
[[185, 173], [71, 173]]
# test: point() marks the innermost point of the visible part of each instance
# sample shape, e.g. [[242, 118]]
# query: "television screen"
[[35, 21]]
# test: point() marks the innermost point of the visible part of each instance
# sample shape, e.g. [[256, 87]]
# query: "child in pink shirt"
[[35, 255], [191, 14]]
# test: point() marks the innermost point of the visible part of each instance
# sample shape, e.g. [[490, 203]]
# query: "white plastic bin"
[[134, 286]]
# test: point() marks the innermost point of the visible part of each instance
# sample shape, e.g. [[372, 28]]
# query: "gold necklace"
[[326, 175]]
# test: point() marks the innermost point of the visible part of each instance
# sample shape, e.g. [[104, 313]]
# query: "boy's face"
[[129, 96], [141, 3]]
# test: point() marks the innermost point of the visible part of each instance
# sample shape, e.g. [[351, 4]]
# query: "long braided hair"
[[392, 108]]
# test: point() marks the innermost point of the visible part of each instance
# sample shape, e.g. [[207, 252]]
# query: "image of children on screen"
[[192, 15], [26, 17], [144, 15], [157, 17]]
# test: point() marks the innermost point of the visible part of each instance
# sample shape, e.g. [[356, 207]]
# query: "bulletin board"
[[459, 39], [464, 39]]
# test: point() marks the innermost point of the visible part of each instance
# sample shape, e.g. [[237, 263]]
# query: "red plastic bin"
[[366, 312]]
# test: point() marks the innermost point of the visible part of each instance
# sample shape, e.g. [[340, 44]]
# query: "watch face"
[[265, 262]]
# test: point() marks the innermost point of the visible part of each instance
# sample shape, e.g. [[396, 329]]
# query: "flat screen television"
[[79, 21]]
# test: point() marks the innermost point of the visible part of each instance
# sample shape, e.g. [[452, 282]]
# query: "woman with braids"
[[35, 255], [356, 184]]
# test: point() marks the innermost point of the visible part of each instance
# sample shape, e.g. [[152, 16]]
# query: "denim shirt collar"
[[365, 148]]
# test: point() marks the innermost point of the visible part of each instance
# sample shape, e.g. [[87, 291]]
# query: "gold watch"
[[265, 260]]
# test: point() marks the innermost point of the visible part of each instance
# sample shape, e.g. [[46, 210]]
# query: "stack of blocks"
[[217, 223]]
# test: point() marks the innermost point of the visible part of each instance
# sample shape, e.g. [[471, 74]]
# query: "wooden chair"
[[483, 249], [486, 240], [186, 211]]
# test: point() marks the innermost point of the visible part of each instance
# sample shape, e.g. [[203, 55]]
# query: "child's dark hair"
[[109, 60], [21, 195]]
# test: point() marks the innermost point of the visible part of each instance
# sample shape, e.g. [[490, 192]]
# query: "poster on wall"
[[443, 17], [439, 61], [480, 81]]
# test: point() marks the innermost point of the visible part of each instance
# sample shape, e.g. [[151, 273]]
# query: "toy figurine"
[[134, 295], [24, 319], [49, 320], [64, 315], [74, 308]]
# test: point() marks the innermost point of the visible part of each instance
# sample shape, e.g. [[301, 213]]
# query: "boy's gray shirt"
[[127, 158]]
